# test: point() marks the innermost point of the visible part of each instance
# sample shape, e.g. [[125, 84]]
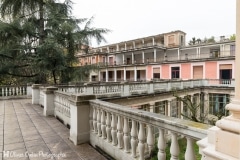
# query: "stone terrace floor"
[[26, 134]]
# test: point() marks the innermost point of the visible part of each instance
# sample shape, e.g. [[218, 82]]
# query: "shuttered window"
[[225, 66], [197, 72], [156, 72]]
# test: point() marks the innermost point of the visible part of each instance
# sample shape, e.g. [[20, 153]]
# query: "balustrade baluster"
[[99, 122], [134, 140], [108, 129], [150, 139], [161, 145], [120, 132], [95, 119], [190, 154], [174, 149], [126, 137], [103, 126], [114, 130], [141, 142]]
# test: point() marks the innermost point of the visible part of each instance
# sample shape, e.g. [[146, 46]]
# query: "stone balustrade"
[[62, 107], [120, 131], [108, 90], [128, 133], [15, 91], [128, 89]]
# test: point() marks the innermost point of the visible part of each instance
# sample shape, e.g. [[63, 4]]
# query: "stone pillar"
[[125, 90], [115, 75], [135, 73], [154, 55], [169, 107], [178, 53], [150, 88], [106, 75], [223, 141], [80, 110], [152, 107], [29, 90], [35, 93], [237, 54], [124, 74], [132, 58], [48, 101]]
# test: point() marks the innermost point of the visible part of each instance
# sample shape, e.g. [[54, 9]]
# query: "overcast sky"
[[131, 19]]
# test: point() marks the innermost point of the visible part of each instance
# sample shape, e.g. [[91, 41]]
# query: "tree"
[[193, 41], [233, 37], [211, 40], [193, 110], [39, 39]]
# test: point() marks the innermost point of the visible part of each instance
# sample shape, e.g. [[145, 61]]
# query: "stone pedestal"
[[49, 101], [80, 110], [223, 140], [35, 93]]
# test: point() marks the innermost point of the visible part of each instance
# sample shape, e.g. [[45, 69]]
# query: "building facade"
[[163, 56]]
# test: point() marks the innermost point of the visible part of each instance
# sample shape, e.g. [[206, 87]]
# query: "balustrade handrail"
[[15, 90], [148, 86], [184, 127]]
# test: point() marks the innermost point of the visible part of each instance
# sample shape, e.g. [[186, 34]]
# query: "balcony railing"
[[128, 133], [117, 89], [170, 58], [121, 131], [15, 91]]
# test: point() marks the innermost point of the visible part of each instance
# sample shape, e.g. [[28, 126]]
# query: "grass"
[[182, 146]]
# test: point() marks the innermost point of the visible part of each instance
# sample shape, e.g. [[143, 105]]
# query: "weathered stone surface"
[[26, 130]]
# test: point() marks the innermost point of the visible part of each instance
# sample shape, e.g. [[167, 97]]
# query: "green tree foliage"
[[193, 108], [233, 37], [39, 40]]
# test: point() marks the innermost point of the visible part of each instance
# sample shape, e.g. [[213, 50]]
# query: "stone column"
[[135, 73], [223, 141], [115, 75], [124, 74], [152, 107], [35, 93], [154, 55], [237, 54], [133, 58], [106, 75], [48, 101], [80, 110]]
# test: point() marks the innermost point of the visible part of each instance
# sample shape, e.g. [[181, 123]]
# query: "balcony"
[[120, 131], [172, 59]]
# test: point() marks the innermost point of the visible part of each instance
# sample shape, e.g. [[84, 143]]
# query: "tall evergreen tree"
[[39, 39]]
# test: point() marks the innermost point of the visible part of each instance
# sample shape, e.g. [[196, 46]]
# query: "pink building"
[[163, 56]]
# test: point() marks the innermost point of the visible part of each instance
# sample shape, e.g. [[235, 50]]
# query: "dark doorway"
[[225, 74]]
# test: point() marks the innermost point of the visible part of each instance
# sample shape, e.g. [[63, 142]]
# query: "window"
[[156, 73], [145, 107], [160, 107], [175, 72], [217, 103], [175, 108], [232, 50]]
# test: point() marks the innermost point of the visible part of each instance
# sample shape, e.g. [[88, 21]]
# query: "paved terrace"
[[23, 129]]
